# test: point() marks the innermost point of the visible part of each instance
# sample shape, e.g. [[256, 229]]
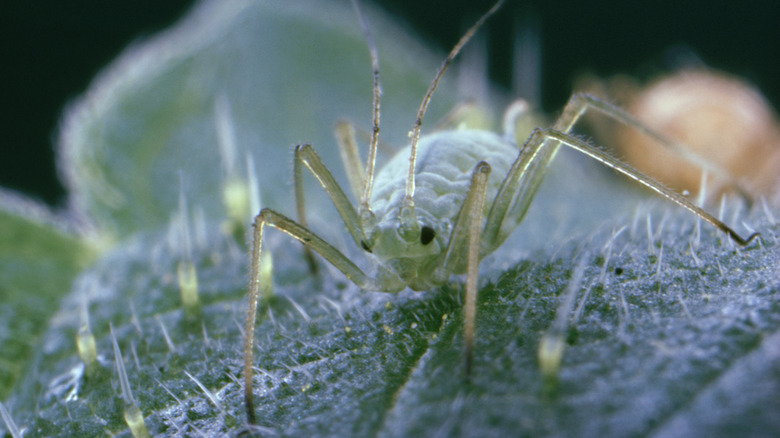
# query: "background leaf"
[[152, 113], [671, 327], [39, 258]]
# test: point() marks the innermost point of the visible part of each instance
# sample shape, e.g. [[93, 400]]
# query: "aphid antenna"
[[371, 159], [415, 133]]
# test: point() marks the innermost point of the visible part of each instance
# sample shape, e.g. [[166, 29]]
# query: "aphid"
[[439, 205], [718, 117]]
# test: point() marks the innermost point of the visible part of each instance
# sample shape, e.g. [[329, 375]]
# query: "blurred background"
[[52, 49]]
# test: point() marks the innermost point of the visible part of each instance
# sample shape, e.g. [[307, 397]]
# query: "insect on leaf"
[[670, 323]]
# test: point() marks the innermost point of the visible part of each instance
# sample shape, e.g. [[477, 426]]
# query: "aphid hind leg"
[[639, 177], [525, 175], [579, 103]]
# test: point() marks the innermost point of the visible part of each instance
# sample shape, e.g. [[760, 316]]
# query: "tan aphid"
[[714, 115]]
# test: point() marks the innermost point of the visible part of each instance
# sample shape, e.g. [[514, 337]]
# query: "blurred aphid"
[[724, 125]]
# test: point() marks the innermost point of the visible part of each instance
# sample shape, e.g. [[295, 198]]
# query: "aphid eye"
[[426, 235]]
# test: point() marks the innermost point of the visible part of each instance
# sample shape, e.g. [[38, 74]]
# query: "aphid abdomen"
[[445, 162]]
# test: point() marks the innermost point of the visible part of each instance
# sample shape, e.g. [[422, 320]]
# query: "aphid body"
[[718, 117], [443, 176]]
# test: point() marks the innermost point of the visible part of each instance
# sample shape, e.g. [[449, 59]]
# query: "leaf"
[[39, 258], [151, 115], [672, 320], [656, 334]]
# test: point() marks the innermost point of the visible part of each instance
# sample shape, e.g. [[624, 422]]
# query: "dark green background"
[[51, 50]]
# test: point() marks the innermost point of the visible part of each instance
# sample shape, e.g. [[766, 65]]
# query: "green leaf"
[[39, 258], [672, 322], [658, 333], [287, 71]]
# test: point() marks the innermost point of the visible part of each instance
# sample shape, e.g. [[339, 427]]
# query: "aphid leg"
[[579, 103], [650, 183], [268, 217], [345, 137], [479, 189], [518, 189], [525, 175], [300, 204], [305, 156], [466, 234]]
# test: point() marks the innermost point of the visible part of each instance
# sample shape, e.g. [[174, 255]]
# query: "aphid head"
[[409, 257], [391, 239]]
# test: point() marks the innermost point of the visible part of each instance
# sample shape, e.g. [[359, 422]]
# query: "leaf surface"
[[671, 323]]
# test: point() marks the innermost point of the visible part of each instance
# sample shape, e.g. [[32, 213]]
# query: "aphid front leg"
[[305, 156], [300, 204], [258, 278]]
